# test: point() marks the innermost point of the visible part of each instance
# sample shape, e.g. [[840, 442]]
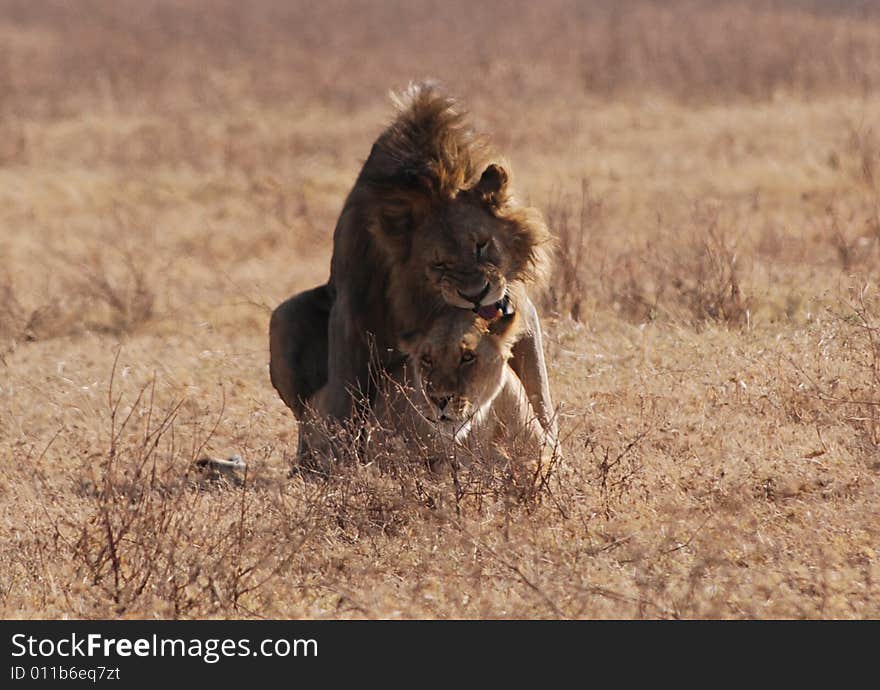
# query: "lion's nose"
[[478, 297], [441, 402]]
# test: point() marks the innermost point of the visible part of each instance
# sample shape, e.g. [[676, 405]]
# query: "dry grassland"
[[169, 172]]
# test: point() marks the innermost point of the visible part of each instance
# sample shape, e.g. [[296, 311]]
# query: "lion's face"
[[458, 367], [467, 247], [463, 253]]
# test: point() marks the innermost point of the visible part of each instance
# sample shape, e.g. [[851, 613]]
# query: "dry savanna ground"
[[169, 172]]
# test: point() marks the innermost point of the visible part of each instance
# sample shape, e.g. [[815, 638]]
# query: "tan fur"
[[457, 388]]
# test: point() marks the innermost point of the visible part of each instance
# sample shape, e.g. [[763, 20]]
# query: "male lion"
[[430, 222]]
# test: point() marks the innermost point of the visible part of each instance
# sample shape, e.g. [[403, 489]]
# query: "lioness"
[[431, 221], [455, 388], [457, 385]]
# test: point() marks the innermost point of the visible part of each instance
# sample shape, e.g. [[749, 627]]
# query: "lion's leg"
[[348, 363], [314, 453], [529, 365], [298, 346], [516, 415], [518, 441]]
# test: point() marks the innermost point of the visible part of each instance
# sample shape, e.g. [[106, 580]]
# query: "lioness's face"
[[462, 249], [457, 367]]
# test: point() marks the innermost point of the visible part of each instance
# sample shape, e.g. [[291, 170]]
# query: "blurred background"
[[61, 58]]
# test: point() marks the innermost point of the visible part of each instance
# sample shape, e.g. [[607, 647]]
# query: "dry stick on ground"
[[865, 325], [830, 398], [117, 534], [605, 466], [41, 479], [513, 568], [555, 460], [693, 536], [278, 568], [112, 541], [198, 451], [236, 564], [617, 596]]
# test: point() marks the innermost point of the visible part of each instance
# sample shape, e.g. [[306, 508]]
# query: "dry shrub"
[[692, 276], [864, 146], [142, 532], [55, 316], [617, 466], [706, 277], [91, 295], [851, 221], [855, 245], [463, 476], [576, 228], [116, 301], [432, 473], [843, 378]]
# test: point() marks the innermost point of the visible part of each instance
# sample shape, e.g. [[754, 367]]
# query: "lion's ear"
[[492, 187]]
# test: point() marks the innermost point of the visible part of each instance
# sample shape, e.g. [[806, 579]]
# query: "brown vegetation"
[[168, 174]]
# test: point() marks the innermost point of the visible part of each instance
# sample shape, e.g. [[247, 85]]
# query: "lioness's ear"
[[492, 187]]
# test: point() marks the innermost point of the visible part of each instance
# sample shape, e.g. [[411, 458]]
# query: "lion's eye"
[[427, 361], [439, 267], [467, 357], [481, 249]]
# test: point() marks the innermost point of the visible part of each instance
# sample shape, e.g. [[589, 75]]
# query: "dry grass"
[[169, 172]]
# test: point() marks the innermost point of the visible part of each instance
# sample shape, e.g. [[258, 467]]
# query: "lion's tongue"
[[488, 311]]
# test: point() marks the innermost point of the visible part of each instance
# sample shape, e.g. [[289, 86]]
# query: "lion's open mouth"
[[490, 312]]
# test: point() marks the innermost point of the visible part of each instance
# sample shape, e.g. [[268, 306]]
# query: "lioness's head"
[[458, 366]]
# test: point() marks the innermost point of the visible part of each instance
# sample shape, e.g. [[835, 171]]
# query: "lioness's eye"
[[481, 249], [439, 267], [426, 360], [467, 357]]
